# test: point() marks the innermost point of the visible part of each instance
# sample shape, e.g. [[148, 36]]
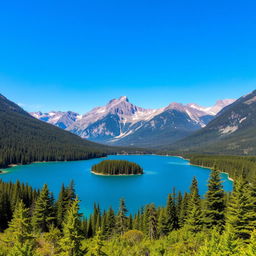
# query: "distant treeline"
[[233, 165], [117, 167]]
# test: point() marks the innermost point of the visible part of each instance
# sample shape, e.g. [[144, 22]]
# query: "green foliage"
[[10, 195], [121, 219], [65, 199], [133, 237], [194, 221], [19, 237], [97, 245], [241, 215], [117, 167], [215, 202], [151, 221], [43, 213], [171, 213], [71, 241], [251, 250]]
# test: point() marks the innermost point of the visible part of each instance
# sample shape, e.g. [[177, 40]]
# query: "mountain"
[[58, 118], [125, 124], [24, 139], [233, 131]]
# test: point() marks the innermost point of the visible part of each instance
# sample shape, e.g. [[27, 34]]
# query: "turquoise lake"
[[161, 174]]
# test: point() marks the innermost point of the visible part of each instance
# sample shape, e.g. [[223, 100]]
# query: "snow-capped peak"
[[215, 109]]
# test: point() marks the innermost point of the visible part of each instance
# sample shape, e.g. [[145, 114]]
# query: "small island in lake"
[[116, 167]]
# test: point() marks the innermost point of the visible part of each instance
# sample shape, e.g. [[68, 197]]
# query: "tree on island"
[[117, 167]]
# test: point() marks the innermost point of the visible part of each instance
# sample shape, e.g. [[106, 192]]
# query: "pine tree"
[[251, 250], [152, 222], [89, 228], [183, 210], [171, 213], [5, 210], [229, 245], [19, 232], [161, 224], [71, 240], [130, 222], [121, 220], [211, 246], [43, 213], [61, 206], [240, 215], [97, 244], [179, 206], [65, 199], [215, 202], [194, 219]]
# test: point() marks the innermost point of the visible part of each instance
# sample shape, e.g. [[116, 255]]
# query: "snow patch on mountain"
[[228, 129], [119, 118]]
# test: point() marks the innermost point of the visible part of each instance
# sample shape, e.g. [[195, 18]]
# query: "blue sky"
[[75, 55]]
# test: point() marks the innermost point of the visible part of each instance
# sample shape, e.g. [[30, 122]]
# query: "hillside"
[[24, 139], [233, 131]]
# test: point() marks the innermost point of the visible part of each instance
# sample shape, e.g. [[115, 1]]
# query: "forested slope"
[[24, 139], [232, 132]]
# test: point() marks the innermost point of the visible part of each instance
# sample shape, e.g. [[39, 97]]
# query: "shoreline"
[[5, 170], [229, 178], [101, 174]]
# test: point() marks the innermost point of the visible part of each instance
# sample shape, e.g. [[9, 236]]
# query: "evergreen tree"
[[161, 224], [211, 246], [121, 220], [171, 213], [251, 250], [179, 206], [215, 202], [71, 240], [19, 232], [5, 210], [65, 199], [152, 221], [194, 219], [111, 222], [130, 222], [183, 210], [240, 215], [229, 245], [97, 244], [43, 213], [61, 206]]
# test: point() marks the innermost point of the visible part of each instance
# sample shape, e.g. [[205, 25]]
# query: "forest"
[[233, 165], [35, 223], [117, 167]]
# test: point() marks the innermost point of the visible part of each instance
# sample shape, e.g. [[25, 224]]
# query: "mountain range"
[[232, 131], [122, 123]]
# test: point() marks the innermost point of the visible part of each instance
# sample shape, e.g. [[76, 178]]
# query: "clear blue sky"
[[74, 55]]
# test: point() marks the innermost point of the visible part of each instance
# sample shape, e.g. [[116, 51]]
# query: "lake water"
[[161, 174]]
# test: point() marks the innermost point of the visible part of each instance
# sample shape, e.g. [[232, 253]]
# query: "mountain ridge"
[[120, 122], [231, 132]]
